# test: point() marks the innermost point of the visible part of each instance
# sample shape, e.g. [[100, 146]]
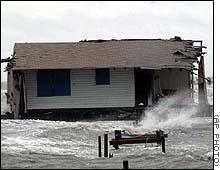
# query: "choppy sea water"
[[59, 144]]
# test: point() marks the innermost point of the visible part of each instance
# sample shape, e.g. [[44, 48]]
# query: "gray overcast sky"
[[75, 21]]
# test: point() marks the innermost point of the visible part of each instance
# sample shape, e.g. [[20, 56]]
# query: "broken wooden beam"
[[4, 60], [199, 47], [132, 141]]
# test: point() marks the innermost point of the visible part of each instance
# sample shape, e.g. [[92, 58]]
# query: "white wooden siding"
[[84, 91]]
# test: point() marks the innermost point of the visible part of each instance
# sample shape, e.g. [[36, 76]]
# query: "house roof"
[[151, 54]]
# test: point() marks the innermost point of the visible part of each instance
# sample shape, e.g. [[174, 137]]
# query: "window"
[[53, 83], [102, 76]]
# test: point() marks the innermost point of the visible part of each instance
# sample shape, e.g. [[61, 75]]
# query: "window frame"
[[100, 78]]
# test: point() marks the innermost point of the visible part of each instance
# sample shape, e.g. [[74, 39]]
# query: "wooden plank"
[[199, 47], [145, 136], [133, 141]]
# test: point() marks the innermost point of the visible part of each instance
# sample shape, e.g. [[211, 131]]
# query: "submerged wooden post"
[[125, 164], [158, 136], [161, 139], [117, 137], [117, 134], [99, 146], [110, 155], [105, 145], [163, 144]]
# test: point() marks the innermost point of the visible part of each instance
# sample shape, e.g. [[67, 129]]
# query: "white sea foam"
[[209, 92], [167, 114], [4, 106]]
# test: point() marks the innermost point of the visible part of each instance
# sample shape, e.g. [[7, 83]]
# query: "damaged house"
[[47, 78]]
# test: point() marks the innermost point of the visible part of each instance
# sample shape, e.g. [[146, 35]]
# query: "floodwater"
[[59, 144]]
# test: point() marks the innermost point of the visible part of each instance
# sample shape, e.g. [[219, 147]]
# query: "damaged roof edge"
[[176, 38]]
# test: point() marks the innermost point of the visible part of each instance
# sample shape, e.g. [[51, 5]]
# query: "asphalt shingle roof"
[[154, 54]]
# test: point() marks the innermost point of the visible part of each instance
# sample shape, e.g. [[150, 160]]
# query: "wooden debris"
[[4, 60], [159, 138]]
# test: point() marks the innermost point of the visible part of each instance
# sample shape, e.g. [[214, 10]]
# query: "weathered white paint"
[[173, 79], [84, 91]]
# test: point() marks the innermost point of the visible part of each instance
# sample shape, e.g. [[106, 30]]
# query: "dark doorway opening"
[[144, 91]]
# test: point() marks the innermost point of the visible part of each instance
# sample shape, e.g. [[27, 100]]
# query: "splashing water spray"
[[175, 111]]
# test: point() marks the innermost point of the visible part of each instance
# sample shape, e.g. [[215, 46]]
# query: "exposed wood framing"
[[17, 95], [25, 95], [4, 60], [10, 63], [17, 82]]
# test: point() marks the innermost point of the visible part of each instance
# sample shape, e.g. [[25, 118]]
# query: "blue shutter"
[[61, 82], [44, 83], [102, 76]]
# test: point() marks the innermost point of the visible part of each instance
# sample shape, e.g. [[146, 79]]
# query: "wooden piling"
[[117, 134], [117, 137], [158, 136], [105, 145], [99, 146], [202, 94], [125, 164], [163, 144]]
